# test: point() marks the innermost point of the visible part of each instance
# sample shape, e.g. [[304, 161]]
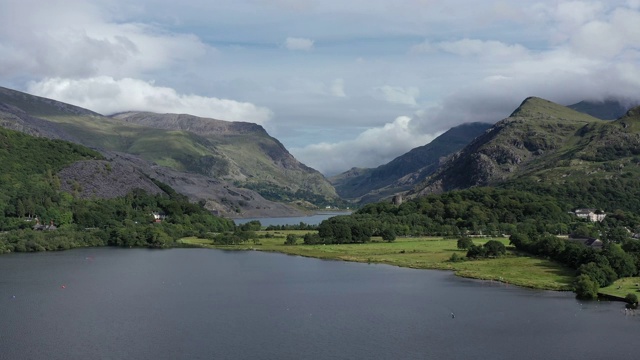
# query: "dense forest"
[[31, 196], [476, 211], [609, 194]]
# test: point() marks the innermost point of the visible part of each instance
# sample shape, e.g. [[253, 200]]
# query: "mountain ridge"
[[542, 144], [369, 185], [177, 153]]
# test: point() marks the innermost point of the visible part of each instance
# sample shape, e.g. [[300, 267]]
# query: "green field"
[[621, 287], [421, 253]]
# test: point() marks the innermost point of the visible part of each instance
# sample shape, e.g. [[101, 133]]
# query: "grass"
[[621, 287], [422, 253]]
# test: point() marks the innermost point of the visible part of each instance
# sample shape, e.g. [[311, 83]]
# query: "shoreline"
[[424, 254], [456, 272]]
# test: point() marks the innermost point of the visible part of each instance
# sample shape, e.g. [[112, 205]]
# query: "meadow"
[[419, 253]]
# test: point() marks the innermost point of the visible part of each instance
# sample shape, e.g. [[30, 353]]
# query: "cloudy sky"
[[339, 83]]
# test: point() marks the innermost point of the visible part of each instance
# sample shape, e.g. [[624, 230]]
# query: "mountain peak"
[[535, 107]]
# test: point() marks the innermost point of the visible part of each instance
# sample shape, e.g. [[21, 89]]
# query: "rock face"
[[104, 179], [221, 197], [541, 141]]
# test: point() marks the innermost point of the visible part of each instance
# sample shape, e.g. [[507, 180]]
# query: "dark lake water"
[[309, 220], [209, 304]]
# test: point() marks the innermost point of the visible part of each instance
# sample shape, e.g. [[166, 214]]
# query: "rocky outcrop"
[[104, 179]]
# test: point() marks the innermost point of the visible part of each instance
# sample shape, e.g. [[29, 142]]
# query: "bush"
[[456, 258], [586, 287], [291, 239], [465, 243], [631, 299], [494, 248], [388, 235]]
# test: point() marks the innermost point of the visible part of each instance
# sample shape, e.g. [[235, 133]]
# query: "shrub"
[[586, 287], [465, 243], [631, 299]]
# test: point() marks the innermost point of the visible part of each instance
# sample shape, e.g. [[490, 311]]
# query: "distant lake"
[[106, 303], [310, 220]]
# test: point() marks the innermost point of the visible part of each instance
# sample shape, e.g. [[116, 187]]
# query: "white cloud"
[[107, 96], [370, 149], [397, 94], [80, 41], [293, 43], [480, 60]]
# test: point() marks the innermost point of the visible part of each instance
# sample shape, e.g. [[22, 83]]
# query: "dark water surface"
[[208, 304]]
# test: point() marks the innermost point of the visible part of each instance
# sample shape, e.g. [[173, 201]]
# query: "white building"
[[592, 215]]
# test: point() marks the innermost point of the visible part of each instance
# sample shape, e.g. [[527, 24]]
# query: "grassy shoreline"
[[420, 253], [621, 287]]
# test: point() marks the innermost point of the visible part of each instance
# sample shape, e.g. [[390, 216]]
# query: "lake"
[[109, 303], [314, 219]]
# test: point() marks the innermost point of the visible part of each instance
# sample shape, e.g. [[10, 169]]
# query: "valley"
[[517, 179]]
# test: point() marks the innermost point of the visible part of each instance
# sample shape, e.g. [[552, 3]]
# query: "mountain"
[[227, 165], [552, 149], [235, 151], [606, 110], [405, 171]]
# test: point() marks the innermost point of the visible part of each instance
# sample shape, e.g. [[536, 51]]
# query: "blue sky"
[[339, 83]]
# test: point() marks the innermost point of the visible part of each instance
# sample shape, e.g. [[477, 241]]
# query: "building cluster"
[[593, 215], [42, 227]]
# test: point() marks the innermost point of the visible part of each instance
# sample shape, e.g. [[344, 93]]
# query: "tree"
[[618, 235], [465, 243], [602, 274], [476, 251], [311, 239], [586, 288], [388, 234], [494, 248], [253, 225], [621, 262], [291, 239], [631, 299]]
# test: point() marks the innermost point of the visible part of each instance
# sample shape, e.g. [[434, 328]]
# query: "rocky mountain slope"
[[407, 170], [235, 151], [543, 143], [215, 167]]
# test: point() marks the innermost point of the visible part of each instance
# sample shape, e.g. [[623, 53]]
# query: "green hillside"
[[31, 198], [241, 153], [553, 149]]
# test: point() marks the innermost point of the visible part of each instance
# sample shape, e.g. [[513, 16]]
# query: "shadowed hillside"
[[400, 174]]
